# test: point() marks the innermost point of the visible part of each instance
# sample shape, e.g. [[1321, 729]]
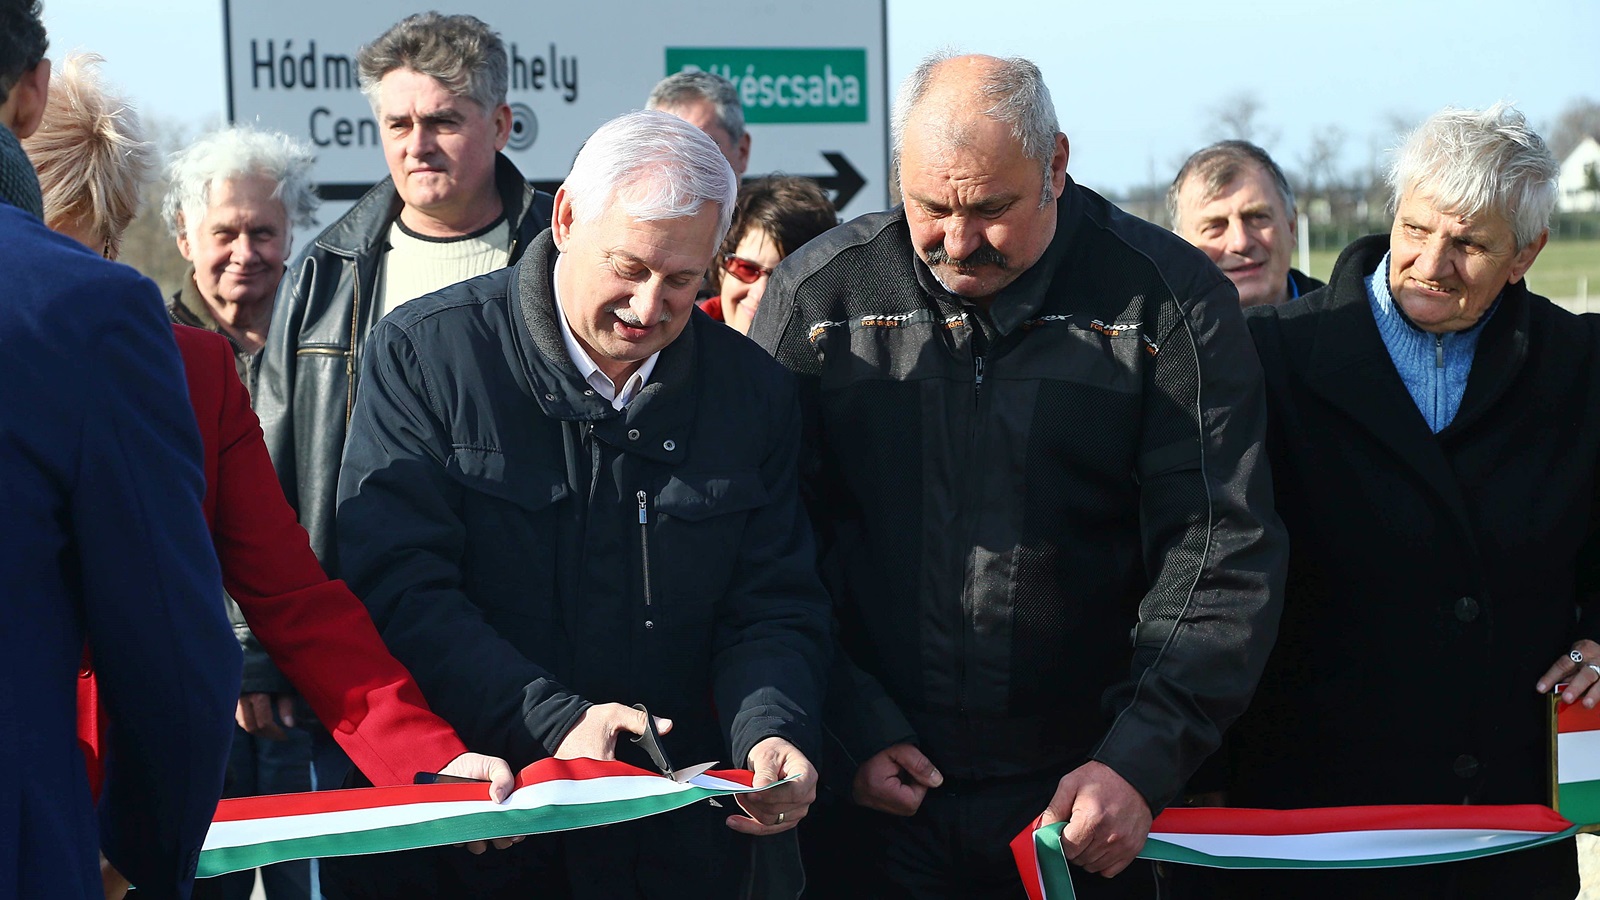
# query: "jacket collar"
[[1350, 368], [656, 425], [361, 231]]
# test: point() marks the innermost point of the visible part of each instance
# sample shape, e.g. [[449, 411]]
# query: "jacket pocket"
[[511, 510], [697, 497], [698, 523], [487, 472]]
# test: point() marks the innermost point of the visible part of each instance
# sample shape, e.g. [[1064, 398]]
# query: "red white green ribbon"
[[551, 795], [1352, 837], [1578, 762]]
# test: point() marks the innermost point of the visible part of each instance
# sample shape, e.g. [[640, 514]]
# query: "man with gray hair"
[[1034, 463], [1435, 462], [1233, 202], [452, 208], [567, 491], [710, 103]]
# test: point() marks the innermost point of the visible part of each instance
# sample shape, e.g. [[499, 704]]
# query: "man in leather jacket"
[[1034, 462], [452, 208]]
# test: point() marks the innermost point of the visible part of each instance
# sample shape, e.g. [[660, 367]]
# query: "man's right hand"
[[595, 735], [895, 780], [255, 714]]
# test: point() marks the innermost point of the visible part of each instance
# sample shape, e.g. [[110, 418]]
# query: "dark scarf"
[[19, 186]]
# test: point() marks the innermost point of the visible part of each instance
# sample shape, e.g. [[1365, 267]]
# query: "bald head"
[[981, 165]]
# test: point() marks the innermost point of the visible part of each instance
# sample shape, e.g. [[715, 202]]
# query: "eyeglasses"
[[745, 270]]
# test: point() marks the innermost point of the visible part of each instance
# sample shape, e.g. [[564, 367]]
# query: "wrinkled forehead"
[[1430, 199]]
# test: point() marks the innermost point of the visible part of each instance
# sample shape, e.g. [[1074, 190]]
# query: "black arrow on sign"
[[845, 182]]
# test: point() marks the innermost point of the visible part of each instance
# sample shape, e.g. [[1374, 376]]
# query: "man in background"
[[452, 208], [710, 103], [1232, 201]]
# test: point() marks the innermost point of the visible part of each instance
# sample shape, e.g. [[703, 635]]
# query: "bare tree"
[[1238, 117], [1319, 164], [1580, 119], [147, 245]]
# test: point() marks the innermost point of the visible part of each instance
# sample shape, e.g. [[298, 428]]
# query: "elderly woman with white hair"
[[235, 196], [1435, 452]]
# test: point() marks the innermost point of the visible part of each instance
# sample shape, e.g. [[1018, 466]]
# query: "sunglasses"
[[745, 270]]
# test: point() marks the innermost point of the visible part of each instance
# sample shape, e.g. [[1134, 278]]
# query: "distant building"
[[1579, 185]]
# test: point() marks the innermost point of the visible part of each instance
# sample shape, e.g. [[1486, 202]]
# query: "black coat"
[[1048, 527], [1433, 578], [489, 517]]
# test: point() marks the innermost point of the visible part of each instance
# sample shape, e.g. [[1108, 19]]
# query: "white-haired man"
[[567, 491], [1035, 466], [452, 208], [1435, 463]]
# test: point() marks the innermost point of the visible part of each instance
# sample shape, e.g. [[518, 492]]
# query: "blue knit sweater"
[[1434, 367]]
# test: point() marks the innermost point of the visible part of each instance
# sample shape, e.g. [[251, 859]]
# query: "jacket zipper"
[[977, 375], [644, 544], [350, 355]]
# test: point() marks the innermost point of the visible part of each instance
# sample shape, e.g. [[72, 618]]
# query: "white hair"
[[1469, 162], [654, 166], [238, 151]]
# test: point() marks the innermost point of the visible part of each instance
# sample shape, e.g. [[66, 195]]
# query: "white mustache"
[[625, 312]]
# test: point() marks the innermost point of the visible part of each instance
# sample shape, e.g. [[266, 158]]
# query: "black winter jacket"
[[526, 549], [1434, 578], [306, 385], [1049, 536]]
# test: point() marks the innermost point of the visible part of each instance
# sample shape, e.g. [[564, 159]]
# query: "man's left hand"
[[1107, 820], [781, 808], [1583, 682]]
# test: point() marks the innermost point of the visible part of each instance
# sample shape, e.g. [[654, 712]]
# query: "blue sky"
[[1135, 81]]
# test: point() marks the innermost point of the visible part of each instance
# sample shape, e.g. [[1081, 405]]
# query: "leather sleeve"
[[272, 394], [1214, 546]]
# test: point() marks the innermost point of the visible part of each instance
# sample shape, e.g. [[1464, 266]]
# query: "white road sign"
[[810, 74]]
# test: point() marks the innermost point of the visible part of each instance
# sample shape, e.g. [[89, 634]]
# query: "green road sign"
[[786, 85]]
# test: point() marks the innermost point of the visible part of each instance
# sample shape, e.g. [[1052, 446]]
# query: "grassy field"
[[1555, 274]]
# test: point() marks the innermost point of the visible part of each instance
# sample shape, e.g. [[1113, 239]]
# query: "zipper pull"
[[644, 517], [1438, 351], [977, 375]]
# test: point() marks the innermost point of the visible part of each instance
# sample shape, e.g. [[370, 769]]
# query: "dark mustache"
[[985, 255]]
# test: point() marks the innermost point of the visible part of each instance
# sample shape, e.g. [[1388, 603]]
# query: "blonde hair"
[[90, 152]]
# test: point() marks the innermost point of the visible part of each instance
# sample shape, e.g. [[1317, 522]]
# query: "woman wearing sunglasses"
[[772, 218]]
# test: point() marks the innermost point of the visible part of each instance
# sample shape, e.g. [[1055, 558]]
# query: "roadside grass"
[[1555, 274]]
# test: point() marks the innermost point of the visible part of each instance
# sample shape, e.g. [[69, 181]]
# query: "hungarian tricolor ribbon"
[[550, 795], [1353, 837]]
